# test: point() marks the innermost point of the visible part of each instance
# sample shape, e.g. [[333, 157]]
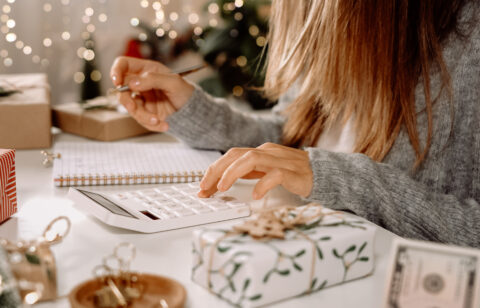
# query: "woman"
[[381, 113]]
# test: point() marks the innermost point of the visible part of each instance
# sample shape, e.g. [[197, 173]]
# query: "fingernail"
[[221, 186], [153, 120], [202, 184]]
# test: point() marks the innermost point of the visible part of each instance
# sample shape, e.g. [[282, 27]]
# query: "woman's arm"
[[390, 198], [212, 124]]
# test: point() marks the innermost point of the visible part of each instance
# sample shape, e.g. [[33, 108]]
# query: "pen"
[[181, 72]]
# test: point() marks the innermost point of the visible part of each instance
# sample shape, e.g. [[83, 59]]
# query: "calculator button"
[[202, 210], [184, 212]]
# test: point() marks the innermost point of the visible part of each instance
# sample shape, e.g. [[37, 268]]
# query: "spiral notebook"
[[119, 163]]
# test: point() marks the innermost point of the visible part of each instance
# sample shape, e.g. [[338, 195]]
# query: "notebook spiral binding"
[[128, 179]]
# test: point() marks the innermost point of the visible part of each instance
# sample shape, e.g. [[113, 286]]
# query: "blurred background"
[[75, 42]]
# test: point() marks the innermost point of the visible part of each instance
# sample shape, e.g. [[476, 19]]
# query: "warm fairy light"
[[6, 9], [253, 30], [261, 41], [78, 77], [65, 2], [4, 29], [241, 61], [47, 42], [91, 28], [80, 52], [89, 11], [237, 91], [66, 35], [156, 5], [172, 34], [27, 50], [11, 1], [102, 17], [96, 75], [89, 54], [238, 3], [8, 62], [160, 32], [19, 44], [3, 18], [47, 7], [11, 23], [213, 22], [213, 8], [11, 37], [134, 22], [165, 2], [238, 16], [193, 18], [173, 16], [142, 37], [31, 298], [36, 59], [198, 30], [160, 15], [144, 3], [3, 53]]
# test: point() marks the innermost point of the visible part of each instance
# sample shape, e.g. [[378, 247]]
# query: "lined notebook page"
[[112, 163]]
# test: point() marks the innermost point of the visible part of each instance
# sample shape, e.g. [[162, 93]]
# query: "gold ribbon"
[[274, 222]]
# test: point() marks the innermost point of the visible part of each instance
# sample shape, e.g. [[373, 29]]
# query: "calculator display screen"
[[107, 204]]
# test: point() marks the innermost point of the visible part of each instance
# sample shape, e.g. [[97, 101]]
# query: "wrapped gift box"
[[8, 194], [25, 117], [248, 272], [100, 124]]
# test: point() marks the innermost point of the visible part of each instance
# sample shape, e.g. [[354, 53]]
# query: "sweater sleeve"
[[392, 199], [204, 122]]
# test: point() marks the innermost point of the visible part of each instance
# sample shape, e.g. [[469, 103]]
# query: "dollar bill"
[[429, 275]]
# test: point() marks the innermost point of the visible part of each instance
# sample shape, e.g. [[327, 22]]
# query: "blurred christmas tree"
[[91, 83], [234, 48]]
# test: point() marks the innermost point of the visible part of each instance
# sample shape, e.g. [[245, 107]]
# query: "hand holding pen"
[[160, 91]]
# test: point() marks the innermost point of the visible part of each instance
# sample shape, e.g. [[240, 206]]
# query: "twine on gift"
[[272, 223]]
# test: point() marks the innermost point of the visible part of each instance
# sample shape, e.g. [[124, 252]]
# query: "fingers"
[[155, 81], [253, 160], [127, 65], [215, 170], [273, 164]]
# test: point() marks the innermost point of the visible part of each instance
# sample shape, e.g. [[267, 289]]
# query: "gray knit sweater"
[[439, 201]]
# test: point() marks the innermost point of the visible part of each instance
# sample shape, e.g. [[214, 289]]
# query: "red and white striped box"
[[8, 193]]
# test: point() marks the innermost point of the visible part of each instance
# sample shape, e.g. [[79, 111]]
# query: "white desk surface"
[[165, 253]]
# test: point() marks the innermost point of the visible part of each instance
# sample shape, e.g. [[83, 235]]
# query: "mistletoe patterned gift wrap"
[[248, 272]]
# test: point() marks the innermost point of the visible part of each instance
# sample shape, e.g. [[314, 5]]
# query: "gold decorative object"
[[33, 264], [115, 285], [49, 157]]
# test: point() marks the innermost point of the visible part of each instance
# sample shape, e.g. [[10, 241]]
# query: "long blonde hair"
[[357, 57]]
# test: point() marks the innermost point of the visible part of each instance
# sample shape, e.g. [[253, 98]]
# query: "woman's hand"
[[273, 164], [161, 93]]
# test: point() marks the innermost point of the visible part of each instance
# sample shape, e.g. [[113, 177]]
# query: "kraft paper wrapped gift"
[[25, 117], [8, 193], [248, 272], [103, 125]]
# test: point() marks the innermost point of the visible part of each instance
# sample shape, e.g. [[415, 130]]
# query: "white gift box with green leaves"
[[250, 272]]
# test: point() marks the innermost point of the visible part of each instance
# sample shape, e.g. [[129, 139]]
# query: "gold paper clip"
[[49, 157]]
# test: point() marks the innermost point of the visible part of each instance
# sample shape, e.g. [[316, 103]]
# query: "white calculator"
[[158, 209]]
